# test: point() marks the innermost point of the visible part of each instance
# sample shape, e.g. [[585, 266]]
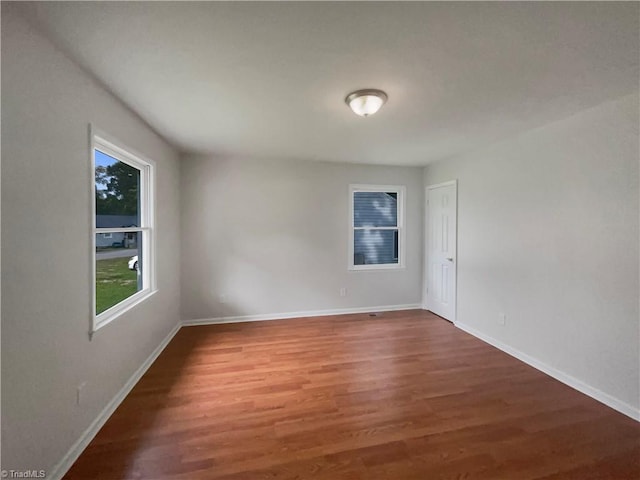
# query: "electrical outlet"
[[224, 298], [502, 319], [343, 292], [79, 393]]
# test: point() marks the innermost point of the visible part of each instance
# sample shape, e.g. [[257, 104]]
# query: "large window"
[[123, 230], [377, 221]]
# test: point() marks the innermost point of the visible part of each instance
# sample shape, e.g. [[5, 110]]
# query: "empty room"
[[320, 240]]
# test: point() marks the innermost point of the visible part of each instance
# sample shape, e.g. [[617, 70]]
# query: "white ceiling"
[[269, 79]]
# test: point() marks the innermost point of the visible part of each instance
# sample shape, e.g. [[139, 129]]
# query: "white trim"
[[365, 187], [442, 184], [401, 191], [425, 250], [92, 200], [110, 314], [116, 145], [121, 230], [376, 228], [150, 237], [305, 314], [380, 266], [146, 241], [559, 375], [425, 266], [78, 447], [63, 466]]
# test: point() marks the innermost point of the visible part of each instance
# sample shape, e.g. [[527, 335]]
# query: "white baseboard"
[[311, 313], [573, 382], [74, 452], [78, 447]]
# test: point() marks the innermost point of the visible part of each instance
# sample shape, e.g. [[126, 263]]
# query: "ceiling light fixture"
[[366, 102]]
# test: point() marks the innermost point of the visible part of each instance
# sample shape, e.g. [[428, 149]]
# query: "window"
[[123, 230], [376, 231]]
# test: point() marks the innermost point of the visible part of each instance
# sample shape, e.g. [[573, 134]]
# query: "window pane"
[[375, 247], [118, 268], [375, 209], [117, 187]]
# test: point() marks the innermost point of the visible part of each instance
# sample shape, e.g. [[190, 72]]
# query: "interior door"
[[441, 237]]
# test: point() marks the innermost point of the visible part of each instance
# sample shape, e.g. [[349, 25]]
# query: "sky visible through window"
[[103, 160], [117, 188]]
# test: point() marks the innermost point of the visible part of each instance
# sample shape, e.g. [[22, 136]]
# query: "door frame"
[[425, 267]]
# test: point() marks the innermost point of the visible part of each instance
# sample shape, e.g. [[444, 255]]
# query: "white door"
[[442, 229]]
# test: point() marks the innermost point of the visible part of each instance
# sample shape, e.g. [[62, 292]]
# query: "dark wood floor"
[[402, 396]]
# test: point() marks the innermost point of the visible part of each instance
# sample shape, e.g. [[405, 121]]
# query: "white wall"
[[548, 234], [272, 237], [47, 105]]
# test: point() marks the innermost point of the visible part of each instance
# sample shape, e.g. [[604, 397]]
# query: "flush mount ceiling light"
[[366, 102]]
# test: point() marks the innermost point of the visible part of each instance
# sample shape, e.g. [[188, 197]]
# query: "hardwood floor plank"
[[401, 396]]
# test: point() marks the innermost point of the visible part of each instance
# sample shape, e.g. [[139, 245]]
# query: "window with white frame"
[[376, 239], [123, 230]]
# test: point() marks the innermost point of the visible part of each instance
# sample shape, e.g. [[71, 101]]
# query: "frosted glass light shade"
[[366, 102]]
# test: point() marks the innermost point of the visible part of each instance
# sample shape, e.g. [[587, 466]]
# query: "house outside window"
[[123, 230], [376, 239]]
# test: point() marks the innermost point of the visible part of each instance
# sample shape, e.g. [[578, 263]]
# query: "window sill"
[[116, 311], [369, 268]]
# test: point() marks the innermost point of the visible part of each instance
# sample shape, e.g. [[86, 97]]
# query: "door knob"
[[450, 259]]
